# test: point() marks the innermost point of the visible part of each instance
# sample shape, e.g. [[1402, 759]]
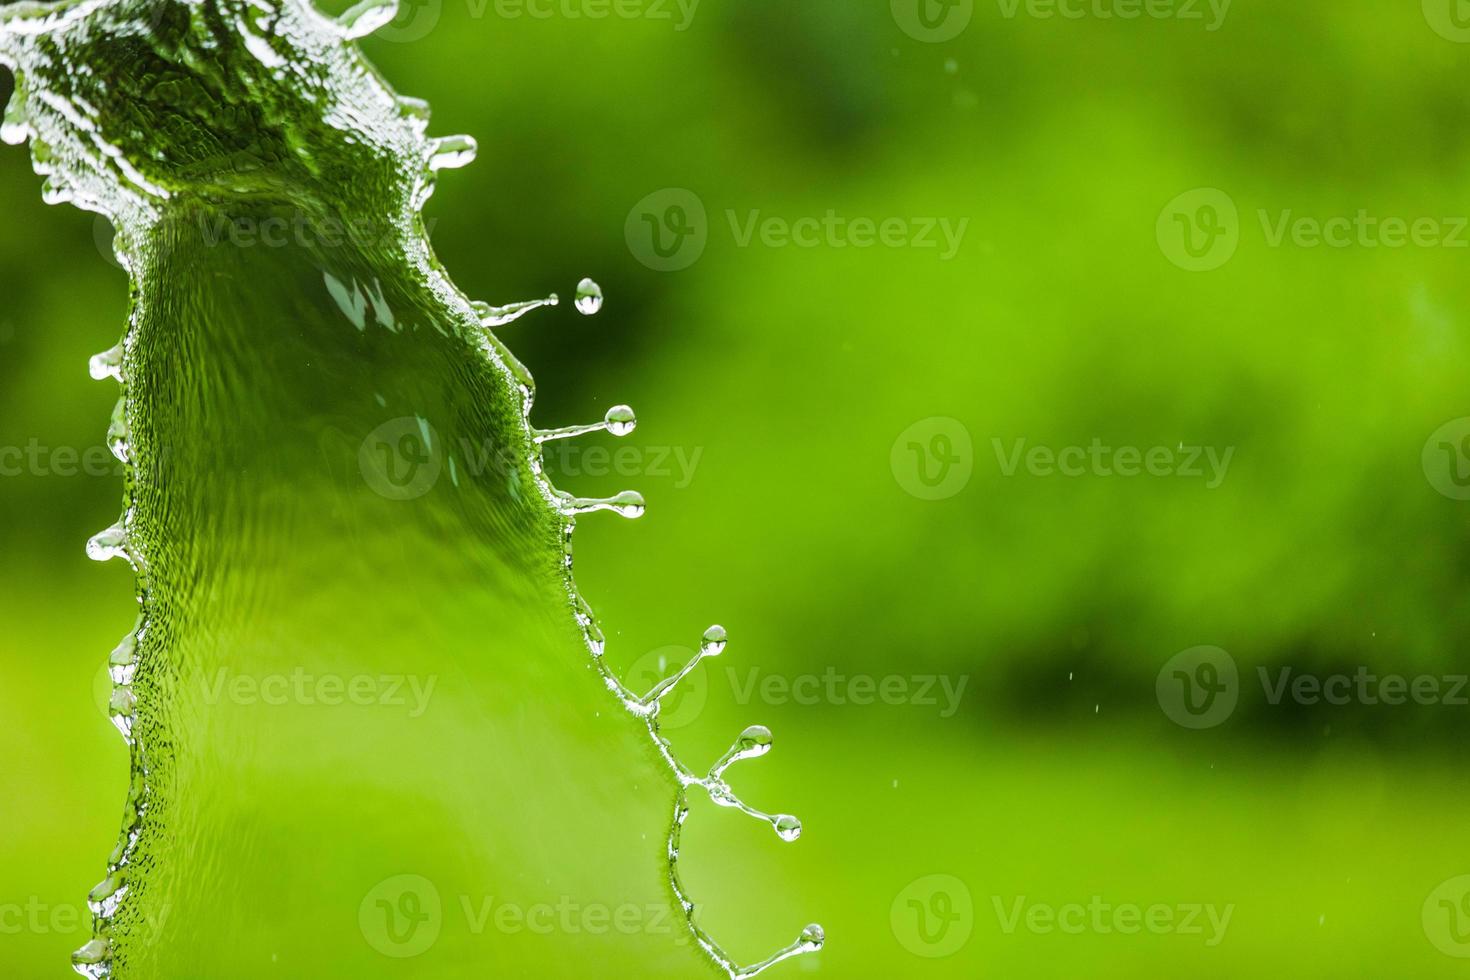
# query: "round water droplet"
[[620, 420], [14, 129], [813, 936], [755, 740], [589, 297], [450, 152], [713, 643], [629, 504], [788, 828]]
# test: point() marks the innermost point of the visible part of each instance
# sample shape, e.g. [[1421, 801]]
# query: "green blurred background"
[[787, 378]]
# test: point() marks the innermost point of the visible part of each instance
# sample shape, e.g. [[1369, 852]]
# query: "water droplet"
[[91, 954], [627, 504], [122, 702], [118, 432], [589, 297], [363, 18], [107, 544], [107, 364], [15, 127], [754, 741], [53, 191], [813, 936], [788, 828], [713, 642], [452, 152], [620, 420]]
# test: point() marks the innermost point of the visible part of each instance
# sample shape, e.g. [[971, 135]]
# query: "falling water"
[[247, 377]]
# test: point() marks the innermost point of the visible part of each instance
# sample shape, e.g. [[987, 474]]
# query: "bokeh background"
[[780, 386]]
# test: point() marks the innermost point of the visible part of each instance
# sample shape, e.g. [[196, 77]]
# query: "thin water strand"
[[618, 421], [499, 316]]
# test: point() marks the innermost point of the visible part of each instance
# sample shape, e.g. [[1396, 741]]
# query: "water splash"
[[313, 114]]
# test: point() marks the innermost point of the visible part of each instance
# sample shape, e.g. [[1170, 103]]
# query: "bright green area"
[[791, 371]]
